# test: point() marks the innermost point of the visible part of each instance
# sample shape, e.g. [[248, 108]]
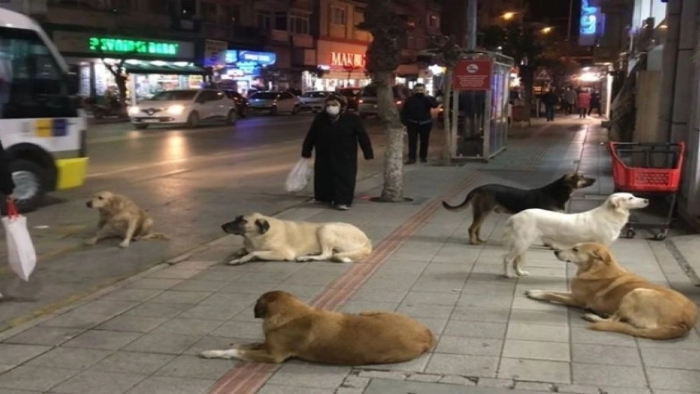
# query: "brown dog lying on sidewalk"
[[634, 305], [120, 216], [507, 199], [293, 328]]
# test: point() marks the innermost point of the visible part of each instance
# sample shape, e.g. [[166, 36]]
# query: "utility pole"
[[571, 17], [471, 25]]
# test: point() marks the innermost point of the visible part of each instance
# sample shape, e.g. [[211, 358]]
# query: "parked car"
[[352, 95], [367, 105], [189, 107], [240, 101], [274, 103], [314, 100]]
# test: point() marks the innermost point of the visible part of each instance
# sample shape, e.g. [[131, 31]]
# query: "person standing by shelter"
[[416, 116], [584, 103]]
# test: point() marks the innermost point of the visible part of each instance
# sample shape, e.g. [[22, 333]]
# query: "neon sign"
[[591, 22], [127, 46], [261, 58], [354, 60]]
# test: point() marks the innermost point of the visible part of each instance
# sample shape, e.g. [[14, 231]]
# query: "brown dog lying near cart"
[[293, 328], [633, 305], [506, 199]]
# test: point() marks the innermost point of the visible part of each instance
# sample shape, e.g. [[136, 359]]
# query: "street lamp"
[[546, 30], [508, 15]]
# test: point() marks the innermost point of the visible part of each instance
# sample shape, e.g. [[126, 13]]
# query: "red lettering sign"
[[347, 60], [472, 75]]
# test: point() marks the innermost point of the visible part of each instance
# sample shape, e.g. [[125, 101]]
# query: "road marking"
[[166, 132], [199, 158]]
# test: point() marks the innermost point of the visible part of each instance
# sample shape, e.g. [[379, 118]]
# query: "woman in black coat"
[[335, 135], [7, 186]]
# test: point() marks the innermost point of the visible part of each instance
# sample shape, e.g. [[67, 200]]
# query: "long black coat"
[[7, 186], [335, 167]]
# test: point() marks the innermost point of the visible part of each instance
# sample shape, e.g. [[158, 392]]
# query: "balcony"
[[279, 36], [302, 41], [108, 21], [227, 32]]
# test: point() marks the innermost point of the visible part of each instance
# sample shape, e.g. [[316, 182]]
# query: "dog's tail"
[[464, 203], [658, 333], [154, 235]]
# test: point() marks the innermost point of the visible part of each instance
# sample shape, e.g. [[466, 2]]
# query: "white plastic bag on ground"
[[300, 176], [20, 248]]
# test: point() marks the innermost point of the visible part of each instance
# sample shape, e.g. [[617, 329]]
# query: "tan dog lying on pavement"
[[270, 239], [294, 329], [119, 216], [634, 305]]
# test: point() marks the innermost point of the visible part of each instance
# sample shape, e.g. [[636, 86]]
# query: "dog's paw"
[[535, 294], [345, 260], [224, 354], [236, 262], [302, 259], [510, 275], [124, 244], [592, 317], [90, 242], [520, 273], [475, 242]]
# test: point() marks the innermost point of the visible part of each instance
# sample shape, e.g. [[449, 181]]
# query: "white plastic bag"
[[20, 248], [300, 176]]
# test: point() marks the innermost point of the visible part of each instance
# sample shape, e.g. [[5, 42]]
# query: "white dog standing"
[[562, 230]]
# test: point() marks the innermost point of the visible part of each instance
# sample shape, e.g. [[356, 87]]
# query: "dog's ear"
[[263, 226], [260, 310], [602, 254], [614, 203]]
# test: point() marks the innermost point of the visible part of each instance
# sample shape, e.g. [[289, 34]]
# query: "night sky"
[[554, 12]]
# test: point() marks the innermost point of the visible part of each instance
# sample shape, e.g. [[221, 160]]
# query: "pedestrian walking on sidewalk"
[[416, 116], [595, 103], [335, 135], [550, 100], [7, 185], [584, 103], [570, 99]]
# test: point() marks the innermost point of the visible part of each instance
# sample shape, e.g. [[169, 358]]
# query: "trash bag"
[[300, 176], [20, 248]]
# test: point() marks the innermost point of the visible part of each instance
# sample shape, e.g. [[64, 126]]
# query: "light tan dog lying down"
[[634, 305], [292, 328], [270, 239]]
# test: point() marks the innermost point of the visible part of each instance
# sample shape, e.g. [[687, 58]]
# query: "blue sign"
[[231, 56], [592, 20], [261, 58]]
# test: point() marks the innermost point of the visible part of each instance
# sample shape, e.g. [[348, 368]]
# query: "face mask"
[[333, 110], [419, 94]]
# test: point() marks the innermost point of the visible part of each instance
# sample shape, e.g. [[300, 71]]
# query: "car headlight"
[[175, 109], [133, 110]]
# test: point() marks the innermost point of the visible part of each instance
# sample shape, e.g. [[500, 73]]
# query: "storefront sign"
[[231, 56], [592, 23], [129, 46], [472, 75], [215, 53], [348, 60], [261, 58]]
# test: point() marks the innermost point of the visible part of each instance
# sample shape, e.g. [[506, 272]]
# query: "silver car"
[[368, 100], [274, 103], [314, 100]]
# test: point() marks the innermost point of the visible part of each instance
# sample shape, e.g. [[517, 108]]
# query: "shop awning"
[[144, 68]]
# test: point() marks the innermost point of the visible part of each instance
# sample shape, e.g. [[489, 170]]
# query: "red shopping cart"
[[652, 169]]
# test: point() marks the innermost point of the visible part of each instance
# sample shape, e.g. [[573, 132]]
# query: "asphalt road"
[[190, 181]]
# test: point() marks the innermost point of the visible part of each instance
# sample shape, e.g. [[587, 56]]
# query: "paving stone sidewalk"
[[143, 335]]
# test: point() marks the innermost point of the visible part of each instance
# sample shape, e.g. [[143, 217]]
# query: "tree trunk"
[[121, 86], [393, 155], [447, 93]]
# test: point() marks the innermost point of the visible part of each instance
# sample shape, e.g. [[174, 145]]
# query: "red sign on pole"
[[472, 75]]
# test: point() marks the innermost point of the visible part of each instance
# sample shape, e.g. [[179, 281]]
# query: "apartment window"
[[281, 21], [209, 11], [299, 24], [159, 7], [433, 21], [233, 14], [263, 20], [338, 16]]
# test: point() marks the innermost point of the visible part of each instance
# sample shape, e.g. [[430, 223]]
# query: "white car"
[[188, 107], [274, 103], [314, 100]]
